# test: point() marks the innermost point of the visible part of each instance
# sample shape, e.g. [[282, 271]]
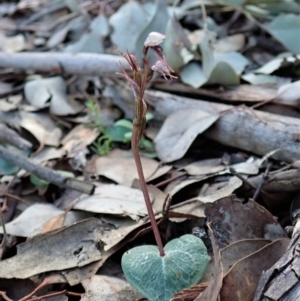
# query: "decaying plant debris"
[[220, 151]]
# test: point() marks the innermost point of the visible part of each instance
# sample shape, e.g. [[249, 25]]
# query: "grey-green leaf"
[[192, 74], [127, 23], [286, 29], [176, 44], [157, 22], [159, 278]]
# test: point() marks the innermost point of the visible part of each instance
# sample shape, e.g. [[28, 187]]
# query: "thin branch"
[[262, 182], [4, 296], [58, 62], [9, 136], [46, 173]]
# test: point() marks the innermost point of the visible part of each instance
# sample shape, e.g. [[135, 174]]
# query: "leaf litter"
[[66, 122]]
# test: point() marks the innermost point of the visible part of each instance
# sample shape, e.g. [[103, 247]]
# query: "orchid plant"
[[154, 271]]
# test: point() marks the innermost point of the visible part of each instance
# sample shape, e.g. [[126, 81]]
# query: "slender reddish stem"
[[139, 167]]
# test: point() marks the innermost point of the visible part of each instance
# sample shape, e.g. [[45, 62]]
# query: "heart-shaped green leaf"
[[159, 278]]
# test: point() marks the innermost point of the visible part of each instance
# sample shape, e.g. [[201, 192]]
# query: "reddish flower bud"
[[132, 61], [163, 68]]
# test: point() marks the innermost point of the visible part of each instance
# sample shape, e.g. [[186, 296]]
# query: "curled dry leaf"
[[289, 94], [39, 92], [179, 131], [41, 218], [42, 127]]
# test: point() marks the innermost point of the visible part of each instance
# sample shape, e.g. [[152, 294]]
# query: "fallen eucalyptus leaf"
[[255, 264], [12, 44], [40, 91], [157, 277], [281, 61], [113, 199], [109, 288], [235, 42], [119, 166], [42, 127], [32, 220], [73, 246], [176, 136], [289, 94]]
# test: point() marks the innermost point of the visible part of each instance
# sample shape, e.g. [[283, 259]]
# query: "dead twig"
[[55, 294], [4, 242], [5, 194], [9, 136], [46, 173], [167, 181], [4, 296], [262, 182], [58, 62]]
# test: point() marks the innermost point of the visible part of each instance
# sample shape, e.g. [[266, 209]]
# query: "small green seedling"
[[156, 272], [120, 131]]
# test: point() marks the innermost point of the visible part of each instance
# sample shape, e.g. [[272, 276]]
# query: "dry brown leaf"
[[55, 222], [42, 127], [73, 246], [120, 167], [242, 280], [108, 288], [204, 167], [12, 44], [114, 199], [34, 220], [194, 208], [231, 221], [240, 249], [234, 42], [220, 190], [78, 139], [289, 94]]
